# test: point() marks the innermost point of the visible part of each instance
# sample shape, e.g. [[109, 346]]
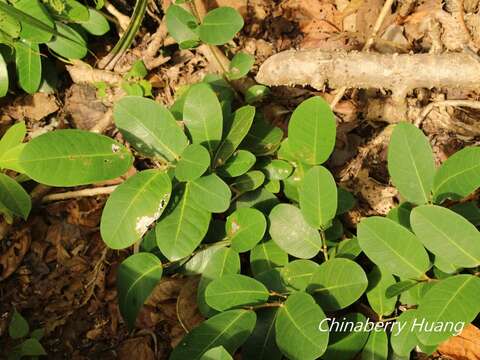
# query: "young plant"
[[30, 26], [28, 343]]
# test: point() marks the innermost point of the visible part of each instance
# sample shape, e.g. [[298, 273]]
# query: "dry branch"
[[398, 73]]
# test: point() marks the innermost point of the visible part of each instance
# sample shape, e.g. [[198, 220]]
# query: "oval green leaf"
[[220, 25], [182, 228], [298, 274], [458, 176], [277, 169], [97, 24], [266, 256], [378, 283], [238, 164], [12, 137], [311, 131], [240, 66], [137, 277], [447, 235], [297, 328], [216, 353], [133, 207], [29, 31], [193, 162], [392, 247], [292, 233], [29, 65], [402, 338], [410, 163], [261, 345], [211, 193], [452, 300], [68, 43], [376, 347], [14, 196], [149, 127], [248, 182], [245, 227], [318, 197], [230, 291], [182, 26], [337, 283], [203, 116], [77, 158]]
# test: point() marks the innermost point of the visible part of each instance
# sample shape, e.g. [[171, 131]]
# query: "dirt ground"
[[55, 269]]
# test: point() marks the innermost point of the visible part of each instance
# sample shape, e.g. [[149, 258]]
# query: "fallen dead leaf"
[[465, 346], [136, 348], [33, 107]]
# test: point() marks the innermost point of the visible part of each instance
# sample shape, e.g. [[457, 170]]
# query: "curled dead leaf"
[[465, 346]]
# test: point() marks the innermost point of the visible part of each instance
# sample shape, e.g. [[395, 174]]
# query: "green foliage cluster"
[[29, 27], [258, 217], [28, 342]]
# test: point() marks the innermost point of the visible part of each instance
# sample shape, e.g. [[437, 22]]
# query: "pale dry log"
[[399, 73]]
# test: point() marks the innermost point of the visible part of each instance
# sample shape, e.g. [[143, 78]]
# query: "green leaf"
[[137, 277], [198, 262], [18, 327], [458, 176], [345, 201], [19, 15], [216, 353], [469, 210], [261, 345], [229, 329], [348, 249], [259, 199], [338, 283], [224, 261], [273, 186], [410, 163], [447, 235], [211, 193], [220, 25], [256, 93], [241, 123], [266, 256], [133, 207], [68, 43], [183, 227], [14, 196], [376, 347], [4, 80], [245, 228], [149, 127], [74, 11], [311, 131], [30, 31], [455, 300], [297, 332], [203, 117], [32, 347], [401, 214], [29, 65], [275, 169], [292, 184], [263, 137], [182, 26], [238, 164], [11, 158], [193, 163], [97, 24], [378, 283], [292, 233], [402, 338], [77, 158], [318, 197], [392, 247], [38, 334], [298, 274], [240, 66], [234, 290], [10, 25], [248, 182], [12, 137]]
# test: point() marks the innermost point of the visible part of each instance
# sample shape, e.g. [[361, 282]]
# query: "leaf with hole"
[[241, 123], [292, 233], [193, 163], [73, 157], [311, 131], [220, 25], [410, 163], [149, 127], [136, 278], [318, 197], [133, 207], [337, 283], [296, 327], [447, 235], [245, 227], [458, 176], [392, 247], [183, 226], [14, 196], [230, 291], [453, 300], [240, 65], [229, 329], [203, 116]]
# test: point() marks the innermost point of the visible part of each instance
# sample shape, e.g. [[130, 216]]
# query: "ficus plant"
[[31, 28]]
